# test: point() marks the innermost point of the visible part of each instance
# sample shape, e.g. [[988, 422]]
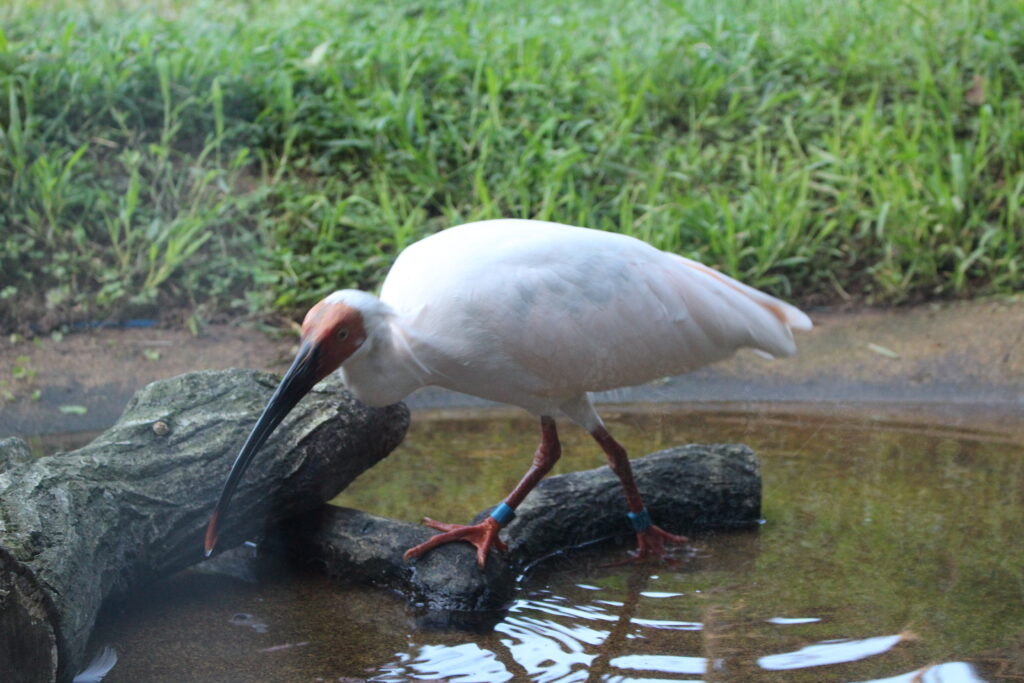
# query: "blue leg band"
[[503, 514], [641, 520]]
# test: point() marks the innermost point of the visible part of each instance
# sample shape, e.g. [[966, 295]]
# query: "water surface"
[[891, 550]]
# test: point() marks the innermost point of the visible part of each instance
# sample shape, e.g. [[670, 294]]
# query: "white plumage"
[[537, 314], [532, 314]]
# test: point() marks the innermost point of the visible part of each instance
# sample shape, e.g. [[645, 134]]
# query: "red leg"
[[650, 540], [485, 534]]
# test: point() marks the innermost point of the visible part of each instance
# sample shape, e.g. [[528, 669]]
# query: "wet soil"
[[969, 353], [94, 373]]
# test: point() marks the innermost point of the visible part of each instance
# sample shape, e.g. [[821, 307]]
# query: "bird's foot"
[[483, 536], [651, 542]]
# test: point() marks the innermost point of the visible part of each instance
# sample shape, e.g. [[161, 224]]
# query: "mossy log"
[[80, 527], [687, 489]]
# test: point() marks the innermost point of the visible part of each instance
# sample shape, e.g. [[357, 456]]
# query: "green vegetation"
[[225, 157]]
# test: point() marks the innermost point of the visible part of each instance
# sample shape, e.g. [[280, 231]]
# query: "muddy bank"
[[969, 353]]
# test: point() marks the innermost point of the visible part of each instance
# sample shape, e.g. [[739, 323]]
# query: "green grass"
[[227, 157]]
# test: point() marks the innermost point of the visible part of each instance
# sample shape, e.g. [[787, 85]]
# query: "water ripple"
[[560, 608], [786, 621], [553, 639], [668, 624], [829, 652], [466, 663], [549, 651], [669, 664], [949, 672]]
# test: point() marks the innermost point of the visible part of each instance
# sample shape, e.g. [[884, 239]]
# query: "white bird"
[[536, 315]]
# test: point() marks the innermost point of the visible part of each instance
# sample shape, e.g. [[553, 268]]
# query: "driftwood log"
[[80, 527], [687, 488]]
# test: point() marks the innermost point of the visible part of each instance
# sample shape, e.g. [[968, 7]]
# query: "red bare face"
[[337, 330]]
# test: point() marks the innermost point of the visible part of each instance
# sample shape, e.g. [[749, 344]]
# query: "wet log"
[[80, 527], [687, 489]]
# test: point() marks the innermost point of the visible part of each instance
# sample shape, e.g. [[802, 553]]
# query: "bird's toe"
[[651, 542], [482, 536]]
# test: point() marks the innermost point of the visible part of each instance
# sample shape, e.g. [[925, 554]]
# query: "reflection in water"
[[547, 650], [98, 668], [284, 646], [869, 532], [550, 638], [466, 663], [829, 652], [792, 620], [950, 672], [663, 663], [605, 634], [248, 621], [668, 624]]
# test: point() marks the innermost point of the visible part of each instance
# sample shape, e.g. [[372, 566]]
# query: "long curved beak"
[[295, 384]]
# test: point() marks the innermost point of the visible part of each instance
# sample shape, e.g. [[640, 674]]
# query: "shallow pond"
[[891, 550]]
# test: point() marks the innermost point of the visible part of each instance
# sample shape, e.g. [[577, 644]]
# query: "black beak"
[[295, 384]]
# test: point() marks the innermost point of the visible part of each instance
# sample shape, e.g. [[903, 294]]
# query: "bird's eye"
[[342, 333]]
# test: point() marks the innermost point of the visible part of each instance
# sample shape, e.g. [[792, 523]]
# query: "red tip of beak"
[[211, 533]]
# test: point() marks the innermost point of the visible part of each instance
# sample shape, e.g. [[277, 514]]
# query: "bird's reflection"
[[614, 634]]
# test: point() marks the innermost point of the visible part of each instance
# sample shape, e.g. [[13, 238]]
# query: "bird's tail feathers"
[[769, 322], [789, 315]]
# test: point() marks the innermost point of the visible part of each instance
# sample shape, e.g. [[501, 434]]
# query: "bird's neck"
[[388, 370]]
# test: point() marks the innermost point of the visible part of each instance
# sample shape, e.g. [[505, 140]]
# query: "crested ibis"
[[532, 314]]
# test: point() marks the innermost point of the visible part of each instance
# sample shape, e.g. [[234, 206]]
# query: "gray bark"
[[686, 489], [80, 527]]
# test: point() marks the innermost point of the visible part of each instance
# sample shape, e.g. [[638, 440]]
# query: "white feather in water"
[[99, 667]]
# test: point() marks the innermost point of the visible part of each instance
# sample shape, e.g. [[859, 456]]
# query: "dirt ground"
[[957, 354]]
